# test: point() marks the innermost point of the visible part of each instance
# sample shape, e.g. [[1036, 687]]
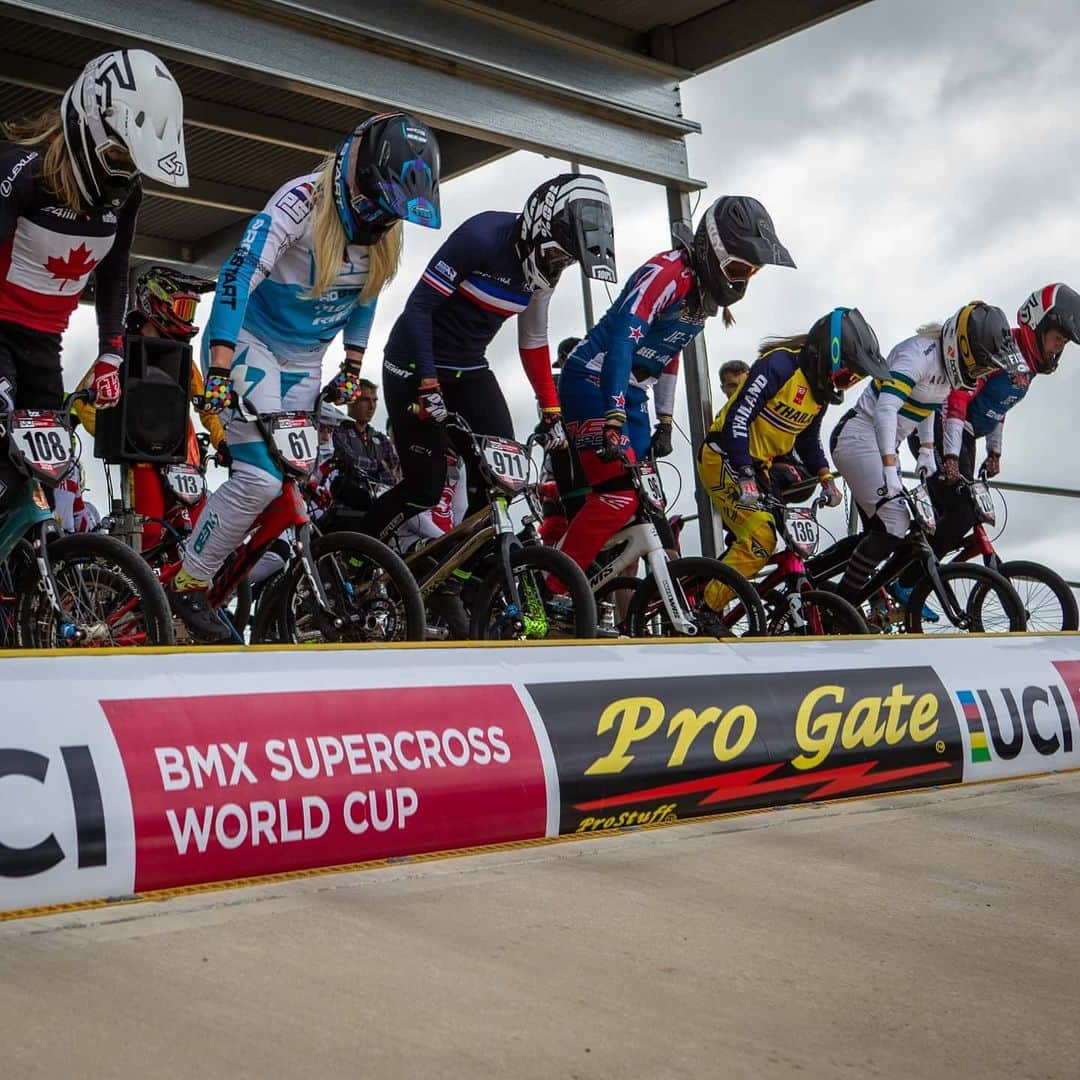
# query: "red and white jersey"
[[47, 253]]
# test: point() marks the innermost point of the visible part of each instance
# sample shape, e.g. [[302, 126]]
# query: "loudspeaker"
[[150, 422]]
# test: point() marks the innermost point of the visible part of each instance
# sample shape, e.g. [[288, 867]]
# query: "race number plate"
[[804, 531], [44, 442], [924, 508], [296, 441], [508, 461], [651, 487], [186, 483], [984, 502]]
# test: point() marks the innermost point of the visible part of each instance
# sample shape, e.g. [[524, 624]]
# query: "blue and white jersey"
[[472, 285], [263, 286]]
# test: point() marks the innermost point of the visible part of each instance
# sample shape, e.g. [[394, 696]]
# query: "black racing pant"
[[422, 445], [31, 378]]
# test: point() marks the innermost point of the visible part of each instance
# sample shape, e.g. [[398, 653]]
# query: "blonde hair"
[[930, 330], [792, 343], [328, 243], [45, 133]]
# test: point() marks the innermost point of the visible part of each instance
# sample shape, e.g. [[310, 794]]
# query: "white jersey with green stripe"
[[910, 397]]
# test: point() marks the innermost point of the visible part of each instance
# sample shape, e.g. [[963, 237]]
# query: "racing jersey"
[[473, 284], [910, 397], [48, 252], [982, 411], [773, 413], [263, 286], [639, 340]]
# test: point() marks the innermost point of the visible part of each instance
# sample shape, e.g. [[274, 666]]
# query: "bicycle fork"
[[671, 594], [302, 548]]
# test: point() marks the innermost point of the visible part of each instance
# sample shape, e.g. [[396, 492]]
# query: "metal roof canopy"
[[271, 85]]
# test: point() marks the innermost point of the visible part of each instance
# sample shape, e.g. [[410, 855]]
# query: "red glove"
[[950, 469], [992, 465], [106, 383]]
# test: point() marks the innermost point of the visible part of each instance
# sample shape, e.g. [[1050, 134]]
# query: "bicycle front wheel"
[[543, 614], [370, 593], [815, 613], [108, 597], [985, 600], [1048, 601], [742, 613]]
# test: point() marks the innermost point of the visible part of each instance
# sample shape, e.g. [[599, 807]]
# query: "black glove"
[[222, 455], [611, 443], [661, 439], [431, 403], [950, 469], [550, 433]]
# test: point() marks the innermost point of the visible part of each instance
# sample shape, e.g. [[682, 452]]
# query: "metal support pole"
[[586, 290], [695, 364]]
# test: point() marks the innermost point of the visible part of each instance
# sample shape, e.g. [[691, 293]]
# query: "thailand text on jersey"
[[263, 286], [472, 285], [48, 252], [773, 413], [639, 340]]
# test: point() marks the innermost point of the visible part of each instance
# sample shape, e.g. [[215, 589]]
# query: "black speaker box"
[[150, 422]]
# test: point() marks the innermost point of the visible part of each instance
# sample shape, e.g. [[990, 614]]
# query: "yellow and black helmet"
[[976, 342]]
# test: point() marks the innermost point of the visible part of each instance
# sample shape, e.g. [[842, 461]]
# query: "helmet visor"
[[596, 240]]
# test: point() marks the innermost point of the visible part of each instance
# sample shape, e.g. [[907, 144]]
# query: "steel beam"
[[738, 27], [511, 109], [695, 365]]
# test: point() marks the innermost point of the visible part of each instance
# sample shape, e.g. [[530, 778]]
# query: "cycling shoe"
[[903, 594]]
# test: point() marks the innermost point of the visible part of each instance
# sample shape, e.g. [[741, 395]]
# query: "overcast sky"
[[914, 155]]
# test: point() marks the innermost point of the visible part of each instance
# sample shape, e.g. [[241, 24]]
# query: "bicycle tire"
[[490, 622], [826, 614], [692, 573], [266, 623], [118, 568], [370, 616], [1041, 614], [987, 583]]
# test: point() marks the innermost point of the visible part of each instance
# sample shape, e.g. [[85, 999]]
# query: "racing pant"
[[612, 502], [753, 530], [423, 445], [287, 380], [31, 377], [858, 460]]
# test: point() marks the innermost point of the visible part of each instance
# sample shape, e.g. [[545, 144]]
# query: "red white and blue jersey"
[[639, 341], [472, 285]]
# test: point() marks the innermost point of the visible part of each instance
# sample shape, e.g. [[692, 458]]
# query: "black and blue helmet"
[[387, 170]]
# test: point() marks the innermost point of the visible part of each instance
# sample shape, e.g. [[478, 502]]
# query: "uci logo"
[[28, 848]]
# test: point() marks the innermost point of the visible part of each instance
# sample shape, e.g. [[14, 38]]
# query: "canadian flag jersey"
[[48, 252]]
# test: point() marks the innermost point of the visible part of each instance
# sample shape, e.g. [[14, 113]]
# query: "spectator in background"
[[732, 376], [361, 449]]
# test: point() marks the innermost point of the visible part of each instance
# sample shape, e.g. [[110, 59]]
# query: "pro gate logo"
[[640, 751], [245, 785], [1022, 729]]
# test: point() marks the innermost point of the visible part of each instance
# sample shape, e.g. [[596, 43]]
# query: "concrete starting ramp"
[[929, 934]]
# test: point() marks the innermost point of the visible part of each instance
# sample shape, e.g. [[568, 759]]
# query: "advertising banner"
[[240, 785], [636, 752]]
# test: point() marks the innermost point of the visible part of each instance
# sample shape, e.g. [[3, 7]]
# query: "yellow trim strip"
[[512, 845]]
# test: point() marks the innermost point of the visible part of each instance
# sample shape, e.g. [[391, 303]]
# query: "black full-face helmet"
[[734, 240], [841, 349]]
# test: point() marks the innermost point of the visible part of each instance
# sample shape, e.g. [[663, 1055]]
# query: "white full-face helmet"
[[124, 115]]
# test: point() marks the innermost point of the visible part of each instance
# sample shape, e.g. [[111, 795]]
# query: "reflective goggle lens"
[[738, 269], [183, 307], [844, 379]]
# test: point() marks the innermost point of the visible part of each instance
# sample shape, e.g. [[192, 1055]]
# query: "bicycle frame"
[[643, 541]]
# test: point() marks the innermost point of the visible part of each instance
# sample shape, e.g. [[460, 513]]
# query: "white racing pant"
[[858, 460], [289, 380]]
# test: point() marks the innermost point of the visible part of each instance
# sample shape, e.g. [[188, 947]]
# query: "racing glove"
[[550, 433], [829, 491], [430, 402], [216, 391], [992, 465], [344, 387], [749, 492], [926, 463], [222, 455], [661, 438], [106, 383], [7, 395], [950, 469], [893, 484], [611, 441]]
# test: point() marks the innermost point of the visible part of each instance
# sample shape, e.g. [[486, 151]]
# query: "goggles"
[[115, 159], [553, 260], [736, 269], [183, 307]]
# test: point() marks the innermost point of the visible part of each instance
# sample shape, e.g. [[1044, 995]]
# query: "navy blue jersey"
[[472, 285]]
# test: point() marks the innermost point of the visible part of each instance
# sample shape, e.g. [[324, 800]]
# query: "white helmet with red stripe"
[[1053, 307], [124, 115]]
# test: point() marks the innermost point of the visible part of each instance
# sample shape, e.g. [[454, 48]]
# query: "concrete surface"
[[916, 936]]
